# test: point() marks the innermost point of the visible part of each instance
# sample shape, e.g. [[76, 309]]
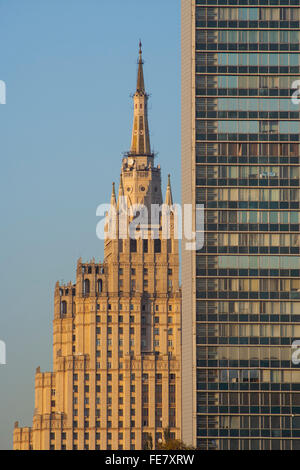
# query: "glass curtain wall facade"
[[241, 59]]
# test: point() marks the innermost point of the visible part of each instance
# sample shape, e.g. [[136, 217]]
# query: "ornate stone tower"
[[116, 381]]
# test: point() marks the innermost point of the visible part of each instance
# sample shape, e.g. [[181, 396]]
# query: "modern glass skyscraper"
[[241, 292]]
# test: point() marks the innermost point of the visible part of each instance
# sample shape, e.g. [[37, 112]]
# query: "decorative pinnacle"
[[121, 182], [113, 196], [169, 197]]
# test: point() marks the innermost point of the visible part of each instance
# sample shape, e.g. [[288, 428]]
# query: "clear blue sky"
[[69, 67]]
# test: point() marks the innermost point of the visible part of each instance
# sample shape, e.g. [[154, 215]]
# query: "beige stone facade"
[[116, 381]]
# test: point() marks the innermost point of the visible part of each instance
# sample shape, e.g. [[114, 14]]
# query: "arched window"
[[100, 285], [64, 307], [86, 287]]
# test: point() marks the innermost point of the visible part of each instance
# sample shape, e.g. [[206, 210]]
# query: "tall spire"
[[140, 142]]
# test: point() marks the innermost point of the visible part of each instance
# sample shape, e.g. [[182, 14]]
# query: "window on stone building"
[[133, 246], [86, 286], [64, 307], [157, 246]]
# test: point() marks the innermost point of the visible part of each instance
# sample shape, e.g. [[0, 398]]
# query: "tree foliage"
[[173, 444], [148, 444]]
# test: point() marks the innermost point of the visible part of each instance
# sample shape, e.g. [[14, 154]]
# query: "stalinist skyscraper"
[[116, 380]]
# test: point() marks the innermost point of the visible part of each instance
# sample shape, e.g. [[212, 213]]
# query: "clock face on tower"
[[130, 161]]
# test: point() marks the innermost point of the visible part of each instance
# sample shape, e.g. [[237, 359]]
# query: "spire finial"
[[140, 81]]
